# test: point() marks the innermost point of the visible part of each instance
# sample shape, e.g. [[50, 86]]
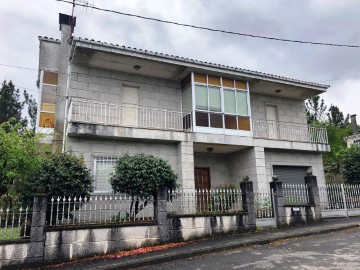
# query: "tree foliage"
[[336, 117], [315, 109], [351, 165], [19, 158], [140, 176], [12, 107], [62, 174]]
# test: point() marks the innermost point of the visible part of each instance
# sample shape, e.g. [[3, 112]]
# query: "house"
[[214, 124], [355, 137]]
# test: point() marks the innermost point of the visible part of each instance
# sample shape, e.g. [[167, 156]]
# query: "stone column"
[[160, 211], [314, 197], [248, 201], [186, 165], [38, 221], [278, 202]]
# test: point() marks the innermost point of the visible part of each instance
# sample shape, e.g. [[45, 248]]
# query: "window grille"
[[104, 166]]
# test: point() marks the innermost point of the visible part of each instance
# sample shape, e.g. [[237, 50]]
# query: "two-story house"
[[214, 124]]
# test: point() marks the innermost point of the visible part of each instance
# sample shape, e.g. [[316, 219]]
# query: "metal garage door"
[[290, 174]]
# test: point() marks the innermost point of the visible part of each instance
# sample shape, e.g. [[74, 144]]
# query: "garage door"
[[290, 174]]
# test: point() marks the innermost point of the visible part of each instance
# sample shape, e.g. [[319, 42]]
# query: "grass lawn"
[[9, 234]]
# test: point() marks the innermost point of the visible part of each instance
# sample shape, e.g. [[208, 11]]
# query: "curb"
[[169, 257]]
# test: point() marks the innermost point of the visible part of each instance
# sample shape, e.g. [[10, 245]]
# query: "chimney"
[[67, 20], [354, 124]]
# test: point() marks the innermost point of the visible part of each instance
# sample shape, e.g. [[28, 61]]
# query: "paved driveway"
[[339, 250]]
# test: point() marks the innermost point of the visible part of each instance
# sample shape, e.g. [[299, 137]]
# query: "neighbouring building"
[[355, 137], [214, 124]]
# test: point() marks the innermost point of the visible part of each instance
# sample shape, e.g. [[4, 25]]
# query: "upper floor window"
[[48, 99], [219, 102]]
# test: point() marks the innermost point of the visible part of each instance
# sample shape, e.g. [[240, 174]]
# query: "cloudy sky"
[[330, 21]]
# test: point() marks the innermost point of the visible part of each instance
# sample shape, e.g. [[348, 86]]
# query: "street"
[[338, 250]]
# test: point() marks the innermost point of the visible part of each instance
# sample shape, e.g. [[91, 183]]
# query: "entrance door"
[[271, 119], [202, 185], [202, 178], [130, 98]]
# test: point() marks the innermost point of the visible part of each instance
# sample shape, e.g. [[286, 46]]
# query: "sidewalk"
[[206, 246]]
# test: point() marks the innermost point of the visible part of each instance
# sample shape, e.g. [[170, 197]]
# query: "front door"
[[202, 178], [202, 185]]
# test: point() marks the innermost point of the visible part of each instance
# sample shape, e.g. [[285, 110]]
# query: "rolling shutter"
[[290, 174]]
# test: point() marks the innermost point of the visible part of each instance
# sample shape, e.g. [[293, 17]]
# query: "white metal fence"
[[98, 209], [263, 204], [289, 132], [90, 111], [295, 194], [340, 199], [14, 223], [191, 201]]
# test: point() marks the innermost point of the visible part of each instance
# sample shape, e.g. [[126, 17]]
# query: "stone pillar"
[[160, 211], [278, 203], [38, 221], [186, 165], [248, 201], [314, 197]]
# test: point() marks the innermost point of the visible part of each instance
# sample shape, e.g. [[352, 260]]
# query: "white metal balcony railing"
[[289, 132], [94, 112]]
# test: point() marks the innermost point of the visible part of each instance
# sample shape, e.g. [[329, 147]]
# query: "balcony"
[[124, 115], [289, 132], [104, 113]]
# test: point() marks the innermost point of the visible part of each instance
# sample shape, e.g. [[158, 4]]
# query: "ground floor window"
[[290, 174], [103, 168]]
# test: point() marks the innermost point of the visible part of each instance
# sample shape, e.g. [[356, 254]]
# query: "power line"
[[343, 78], [18, 67], [214, 30]]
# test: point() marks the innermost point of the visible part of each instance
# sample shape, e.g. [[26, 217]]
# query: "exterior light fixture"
[[137, 67], [209, 149], [277, 91]]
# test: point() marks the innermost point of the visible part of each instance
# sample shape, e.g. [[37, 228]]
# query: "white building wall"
[[219, 169], [106, 85], [288, 110]]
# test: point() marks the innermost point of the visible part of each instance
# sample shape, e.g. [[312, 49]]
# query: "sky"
[[329, 21]]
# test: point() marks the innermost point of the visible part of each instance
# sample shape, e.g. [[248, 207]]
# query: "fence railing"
[[339, 197], [295, 194], [14, 223], [289, 132], [191, 201], [98, 209], [96, 112], [263, 204]]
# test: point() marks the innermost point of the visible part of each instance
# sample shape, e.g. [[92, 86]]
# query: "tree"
[[140, 176], [315, 109], [336, 117], [351, 165], [62, 174], [19, 157], [11, 106]]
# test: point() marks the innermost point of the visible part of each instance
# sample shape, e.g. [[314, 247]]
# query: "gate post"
[[247, 194], [314, 196], [160, 211], [38, 221], [278, 202]]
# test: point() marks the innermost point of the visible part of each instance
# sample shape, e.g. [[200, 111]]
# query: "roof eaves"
[[202, 63]]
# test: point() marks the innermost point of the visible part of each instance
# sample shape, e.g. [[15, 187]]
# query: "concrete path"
[[212, 245]]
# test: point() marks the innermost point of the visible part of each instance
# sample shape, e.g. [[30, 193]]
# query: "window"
[[356, 142], [103, 167], [221, 102], [48, 100]]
